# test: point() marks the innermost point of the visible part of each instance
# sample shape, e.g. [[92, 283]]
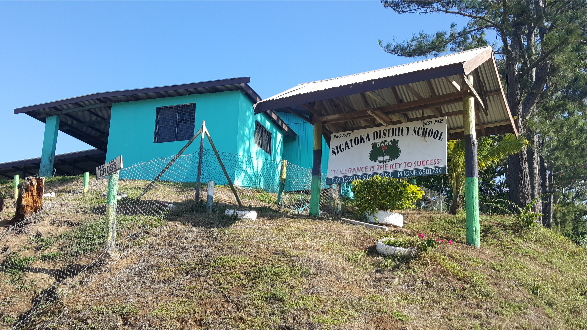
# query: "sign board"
[[112, 166], [410, 149]]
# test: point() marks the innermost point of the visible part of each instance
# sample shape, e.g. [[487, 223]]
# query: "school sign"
[[410, 149]]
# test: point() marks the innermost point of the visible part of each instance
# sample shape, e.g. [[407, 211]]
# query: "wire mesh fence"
[[61, 249]]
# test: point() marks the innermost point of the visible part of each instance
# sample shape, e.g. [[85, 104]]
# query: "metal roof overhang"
[[74, 163], [412, 92], [87, 117]]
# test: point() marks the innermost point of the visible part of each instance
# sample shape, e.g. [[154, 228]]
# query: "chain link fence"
[[60, 249]]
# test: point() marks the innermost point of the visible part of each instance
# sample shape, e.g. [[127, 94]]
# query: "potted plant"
[[377, 197]]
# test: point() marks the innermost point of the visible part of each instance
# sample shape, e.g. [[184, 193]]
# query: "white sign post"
[[111, 169], [112, 166], [406, 150]]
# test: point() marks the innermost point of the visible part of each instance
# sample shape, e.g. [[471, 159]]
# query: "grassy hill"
[[186, 269]]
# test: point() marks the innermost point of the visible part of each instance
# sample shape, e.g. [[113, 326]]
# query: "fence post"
[[111, 201], [282, 180], [210, 200], [86, 181], [200, 161], [335, 200], [16, 180], [471, 170]]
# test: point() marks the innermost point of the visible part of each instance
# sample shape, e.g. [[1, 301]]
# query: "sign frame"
[[405, 150], [109, 168]]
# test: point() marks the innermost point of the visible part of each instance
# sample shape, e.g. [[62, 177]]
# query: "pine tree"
[[535, 36]]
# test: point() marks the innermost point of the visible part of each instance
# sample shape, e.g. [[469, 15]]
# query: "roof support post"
[[49, 144], [471, 170], [316, 170]]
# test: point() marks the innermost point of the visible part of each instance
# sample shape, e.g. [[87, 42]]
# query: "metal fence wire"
[[61, 249]]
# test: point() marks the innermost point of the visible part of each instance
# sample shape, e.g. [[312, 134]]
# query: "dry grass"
[[283, 272]]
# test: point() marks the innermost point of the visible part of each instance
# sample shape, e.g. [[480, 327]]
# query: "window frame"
[[263, 137], [180, 120]]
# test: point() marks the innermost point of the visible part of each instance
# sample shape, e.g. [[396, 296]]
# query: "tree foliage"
[[490, 150], [541, 48]]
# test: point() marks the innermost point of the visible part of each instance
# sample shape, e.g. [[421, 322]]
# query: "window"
[[175, 123], [262, 137]]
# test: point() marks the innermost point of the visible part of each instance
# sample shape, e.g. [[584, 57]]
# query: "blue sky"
[[55, 50]]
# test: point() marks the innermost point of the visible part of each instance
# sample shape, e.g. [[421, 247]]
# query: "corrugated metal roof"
[[73, 163], [87, 117], [421, 90], [380, 73]]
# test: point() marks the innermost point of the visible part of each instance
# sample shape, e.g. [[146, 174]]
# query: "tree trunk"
[[547, 195], [455, 203], [535, 179], [30, 198]]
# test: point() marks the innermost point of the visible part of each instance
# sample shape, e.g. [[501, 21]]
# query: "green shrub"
[[385, 194]]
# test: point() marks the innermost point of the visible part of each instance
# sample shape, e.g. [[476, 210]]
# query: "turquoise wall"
[[300, 150], [262, 170], [230, 119], [132, 126]]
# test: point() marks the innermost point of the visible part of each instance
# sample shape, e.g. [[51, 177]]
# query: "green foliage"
[[526, 217], [400, 316], [542, 59], [380, 193], [490, 151]]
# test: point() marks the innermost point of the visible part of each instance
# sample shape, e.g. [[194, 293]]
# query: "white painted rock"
[[387, 218], [389, 250], [51, 194], [242, 214]]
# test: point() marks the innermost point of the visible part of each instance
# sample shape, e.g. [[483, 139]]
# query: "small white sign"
[[406, 150], [112, 166]]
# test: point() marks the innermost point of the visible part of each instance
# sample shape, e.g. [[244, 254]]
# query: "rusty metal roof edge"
[[386, 82], [204, 84], [507, 106], [83, 153]]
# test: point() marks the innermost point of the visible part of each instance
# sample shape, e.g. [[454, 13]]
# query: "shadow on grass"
[[50, 295]]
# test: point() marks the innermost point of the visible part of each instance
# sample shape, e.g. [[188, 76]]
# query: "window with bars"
[[262, 137], [175, 123]]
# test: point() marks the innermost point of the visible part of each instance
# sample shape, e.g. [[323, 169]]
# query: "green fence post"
[[16, 180], [111, 201], [471, 170], [86, 181], [282, 181]]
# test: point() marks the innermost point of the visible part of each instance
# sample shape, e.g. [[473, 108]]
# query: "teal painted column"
[[86, 182], [316, 170], [111, 201], [49, 144], [16, 181], [471, 170]]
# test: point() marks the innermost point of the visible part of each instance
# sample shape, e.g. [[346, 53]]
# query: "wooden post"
[[200, 155], [30, 198], [210, 200], [86, 182], [471, 170], [111, 201], [282, 178], [16, 180], [223, 168], [316, 170]]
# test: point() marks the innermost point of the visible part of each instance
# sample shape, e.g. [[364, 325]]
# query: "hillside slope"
[[286, 272]]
